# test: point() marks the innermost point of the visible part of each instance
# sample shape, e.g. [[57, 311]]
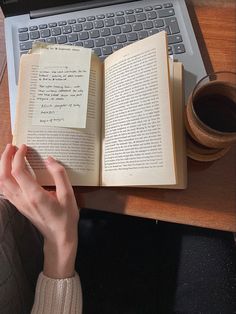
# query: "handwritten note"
[[61, 95]]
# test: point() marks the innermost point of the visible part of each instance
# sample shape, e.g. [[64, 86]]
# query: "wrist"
[[59, 259]]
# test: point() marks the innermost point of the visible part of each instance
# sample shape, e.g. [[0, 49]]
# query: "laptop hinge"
[[73, 7]]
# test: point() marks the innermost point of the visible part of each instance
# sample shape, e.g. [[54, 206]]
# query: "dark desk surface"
[[210, 199]]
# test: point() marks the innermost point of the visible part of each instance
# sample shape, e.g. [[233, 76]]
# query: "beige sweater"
[[61, 296]]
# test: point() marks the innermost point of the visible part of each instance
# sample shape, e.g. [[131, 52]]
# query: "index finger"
[[62, 182], [22, 176]]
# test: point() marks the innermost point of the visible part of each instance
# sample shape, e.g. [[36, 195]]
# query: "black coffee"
[[216, 111]]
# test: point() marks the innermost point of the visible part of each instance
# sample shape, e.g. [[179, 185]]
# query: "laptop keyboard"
[[106, 33]]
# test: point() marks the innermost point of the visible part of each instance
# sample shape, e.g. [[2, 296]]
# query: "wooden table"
[[210, 199]]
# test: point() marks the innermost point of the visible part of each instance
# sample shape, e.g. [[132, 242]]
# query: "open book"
[[134, 134]]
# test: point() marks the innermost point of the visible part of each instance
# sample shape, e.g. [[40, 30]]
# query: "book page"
[[77, 149], [177, 83], [176, 80], [137, 138]]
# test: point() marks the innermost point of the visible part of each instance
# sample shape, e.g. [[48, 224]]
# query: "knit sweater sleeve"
[[62, 296]]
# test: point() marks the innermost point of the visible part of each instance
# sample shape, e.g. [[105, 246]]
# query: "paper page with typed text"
[[137, 137]]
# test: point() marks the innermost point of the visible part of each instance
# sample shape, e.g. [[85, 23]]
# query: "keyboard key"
[[179, 48], [79, 43], [132, 36], [52, 24], [121, 38], [108, 15], [120, 13], [94, 33], [56, 31], [81, 20], [23, 36], [83, 35], [141, 17], [51, 40], [33, 28], [158, 7], [77, 28], [126, 28], [105, 32], [62, 23], [138, 10], [119, 20], [22, 29], [101, 16], [45, 33], [173, 25], [98, 51], [87, 26], [130, 19], [89, 43], [166, 29], [111, 40], [137, 27], [158, 23], [174, 39], [117, 47], [66, 29], [99, 24], [34, 35], [115, 30], [109, 22], [100, 42], [26, 46], [91, 18], [152, 15], [72, 38], [147, 24], [148, 8], [41, 40], [153, 31], [107, 50], [62, 39], [142, 34], [167, 5], [130, 11], [73, 21], [43, 26], [166, 12]]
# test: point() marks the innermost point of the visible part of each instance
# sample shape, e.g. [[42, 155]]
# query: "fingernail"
[[10, 147], [49, 160], [23, 146]]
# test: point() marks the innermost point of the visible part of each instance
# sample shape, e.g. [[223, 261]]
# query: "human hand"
[[54, 214]]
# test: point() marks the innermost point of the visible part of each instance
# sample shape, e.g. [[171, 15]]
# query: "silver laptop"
[[104, 26]]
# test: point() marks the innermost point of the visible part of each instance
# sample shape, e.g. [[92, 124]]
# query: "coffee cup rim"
[[192, 98]]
